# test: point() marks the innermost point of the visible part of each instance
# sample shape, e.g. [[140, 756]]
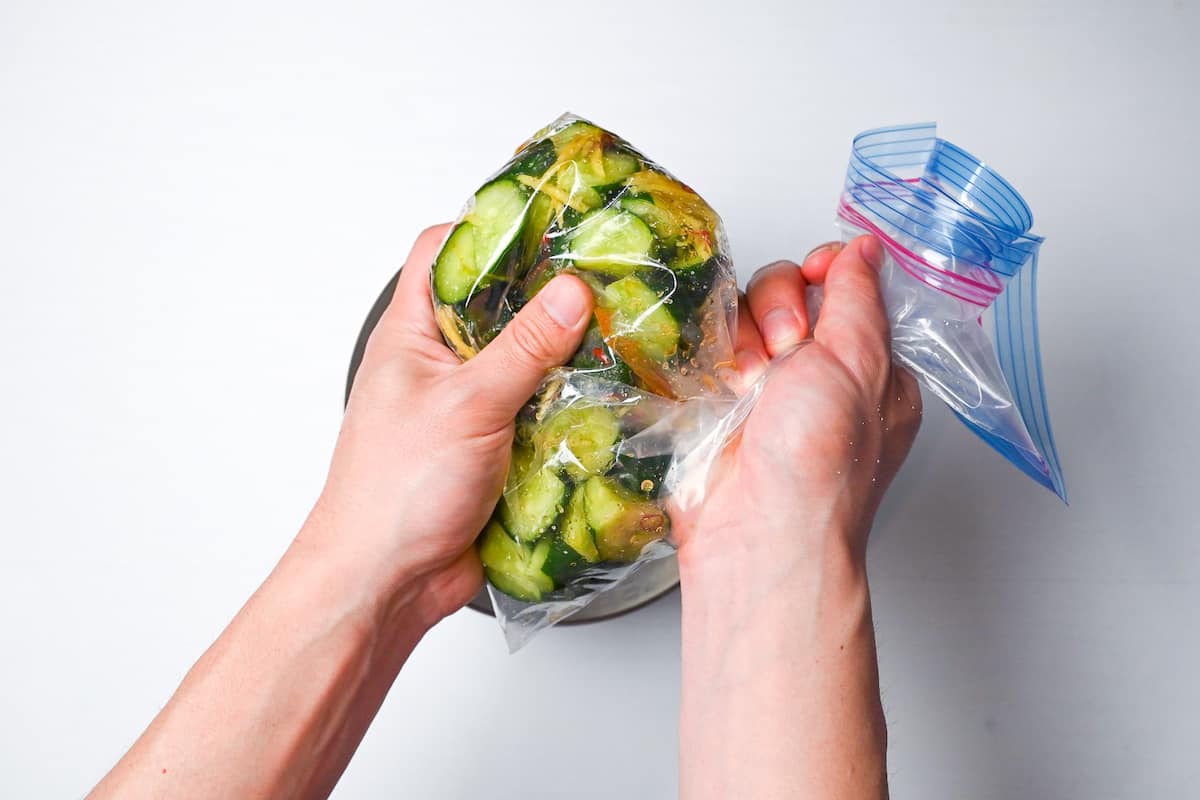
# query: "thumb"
[[545, 333]]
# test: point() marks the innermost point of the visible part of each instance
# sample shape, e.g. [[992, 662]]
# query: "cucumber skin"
[[633, 473], [534, 160], [563, 563], [595, 355], [510, 566], [622, 521]]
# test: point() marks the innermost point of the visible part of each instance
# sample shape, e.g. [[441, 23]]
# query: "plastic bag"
[[958, 244], [594, 454]]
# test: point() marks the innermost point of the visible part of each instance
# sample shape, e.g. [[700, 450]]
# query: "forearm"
[[278, 704], [780, 684]]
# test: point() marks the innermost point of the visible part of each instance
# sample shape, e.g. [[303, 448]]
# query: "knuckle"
[[532, 341]]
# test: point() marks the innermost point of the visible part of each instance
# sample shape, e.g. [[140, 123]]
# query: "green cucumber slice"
[[512, 567], [574, 550], [579, 437], [533, 498], [611, 241], [637, 314], [663, 225], [575, 531], [622, 522], [595, 355], [470, 255]]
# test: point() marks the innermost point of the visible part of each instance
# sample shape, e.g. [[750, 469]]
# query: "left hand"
[[424, 448]]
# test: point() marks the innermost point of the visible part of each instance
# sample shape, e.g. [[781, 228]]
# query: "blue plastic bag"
[[958, 244]]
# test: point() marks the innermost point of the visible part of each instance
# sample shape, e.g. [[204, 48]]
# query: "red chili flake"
[[599, 355]]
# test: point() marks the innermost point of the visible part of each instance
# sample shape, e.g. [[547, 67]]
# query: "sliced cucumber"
[[622, 522], [595, 355], [662, 223], [611, 241], [686, 247], [579, 437], [534, 159], [470, 255], [577, 188], [643, 476], [574, 549], [637, 315], [537, 222], [612, 166], [576, 130], [575, 531], [534, 497], [512, 567]]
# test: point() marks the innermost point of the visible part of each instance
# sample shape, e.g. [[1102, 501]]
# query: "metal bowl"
[[654, 580]]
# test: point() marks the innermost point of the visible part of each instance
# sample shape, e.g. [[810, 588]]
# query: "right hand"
[[834, 422]]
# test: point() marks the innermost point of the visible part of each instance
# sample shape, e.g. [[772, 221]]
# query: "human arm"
[[780, 692], [280, 701]]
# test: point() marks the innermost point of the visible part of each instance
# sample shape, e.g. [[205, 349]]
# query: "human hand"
[[424, 448], [834, 422]]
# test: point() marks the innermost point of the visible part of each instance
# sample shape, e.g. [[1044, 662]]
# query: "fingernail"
[[780, 329], [564, 303], [750, 366], [872, 251], [832, 247]]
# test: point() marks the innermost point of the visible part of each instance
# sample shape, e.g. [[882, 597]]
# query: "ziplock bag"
[[958, 244], [584, 502]]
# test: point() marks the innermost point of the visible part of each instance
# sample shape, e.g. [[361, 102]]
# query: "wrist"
[[353, 574], [749, 548]]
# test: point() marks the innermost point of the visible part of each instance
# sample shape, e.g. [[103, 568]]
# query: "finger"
[[749, 352], [412, 306], [853, 323], [776, 299], [542, 336], [816, 263]]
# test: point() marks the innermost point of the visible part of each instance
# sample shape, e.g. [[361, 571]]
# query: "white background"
[[198, 204]]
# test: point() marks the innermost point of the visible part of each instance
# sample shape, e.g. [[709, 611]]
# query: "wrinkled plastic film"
[[957, 241], [594, 463]]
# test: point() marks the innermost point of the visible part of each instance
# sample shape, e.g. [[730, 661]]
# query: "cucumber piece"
[[685, 247], [577, 129], [688, 289], [612, 167], [611, 241], [537, 222], [577, 188], [533, 498], [595, 355], [663, 225], [636, 314], [535, 159], [574, 549], [579, 437], [622, 522], [641, 475], [512, 567], [470, 255], [576, 533]]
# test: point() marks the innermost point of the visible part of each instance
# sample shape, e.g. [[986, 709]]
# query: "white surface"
[[197, 207]]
